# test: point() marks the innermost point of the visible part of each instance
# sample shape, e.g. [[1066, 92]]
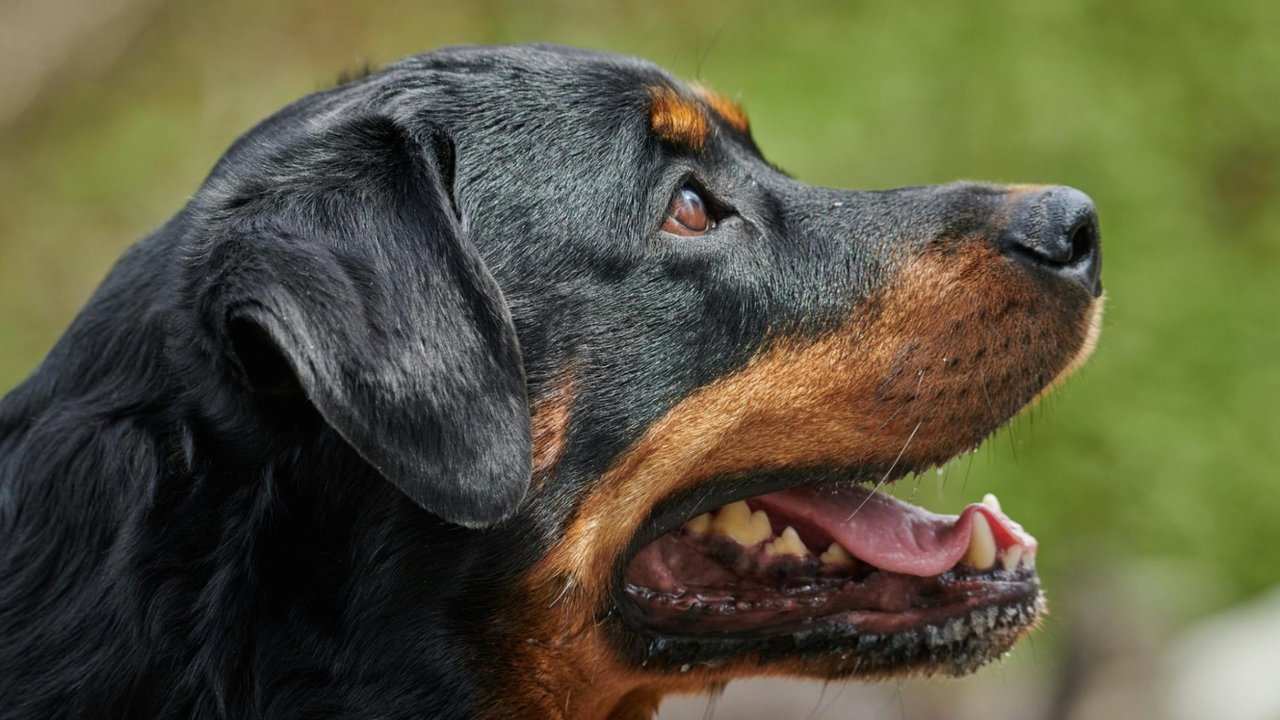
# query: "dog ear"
[[338, 268]]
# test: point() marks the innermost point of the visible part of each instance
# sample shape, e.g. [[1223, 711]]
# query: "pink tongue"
[[889, 533]]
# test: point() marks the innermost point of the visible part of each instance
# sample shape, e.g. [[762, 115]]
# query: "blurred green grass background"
[[1161, 457]]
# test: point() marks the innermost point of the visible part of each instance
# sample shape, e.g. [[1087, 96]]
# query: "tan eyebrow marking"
[[678, 119], [728, 110]]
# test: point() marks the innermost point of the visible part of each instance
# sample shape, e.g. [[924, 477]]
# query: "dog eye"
[[687, 216]]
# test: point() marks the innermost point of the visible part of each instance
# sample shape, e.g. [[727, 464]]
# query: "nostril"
[[1083, 239]]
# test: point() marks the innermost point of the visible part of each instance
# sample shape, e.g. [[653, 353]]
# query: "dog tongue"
[[889, 533]]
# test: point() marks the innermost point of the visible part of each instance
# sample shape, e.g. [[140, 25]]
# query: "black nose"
[[1056, 231]]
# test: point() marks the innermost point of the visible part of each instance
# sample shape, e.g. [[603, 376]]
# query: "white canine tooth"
[[991, 501], [836, 555], [788, 543], [738, 522], [1029, 559], [982, 544], [699, 525], [1011, 557]]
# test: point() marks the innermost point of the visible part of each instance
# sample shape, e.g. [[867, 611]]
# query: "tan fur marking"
[[678, 119], [1083, 354], [728, 110], [959, 341], [551, 414], [1016, 191]]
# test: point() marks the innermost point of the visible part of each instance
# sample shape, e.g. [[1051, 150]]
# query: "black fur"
[[276, 466]]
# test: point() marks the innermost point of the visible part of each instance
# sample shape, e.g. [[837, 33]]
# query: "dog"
[[513, 382]]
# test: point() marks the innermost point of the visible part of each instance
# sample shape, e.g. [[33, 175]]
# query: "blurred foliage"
[[1162, 454]]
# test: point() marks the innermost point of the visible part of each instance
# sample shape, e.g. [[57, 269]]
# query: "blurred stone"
[[1228, 666]]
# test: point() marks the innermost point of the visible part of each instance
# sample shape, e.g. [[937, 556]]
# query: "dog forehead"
[[522, 105], [528, 72], [545, 95]]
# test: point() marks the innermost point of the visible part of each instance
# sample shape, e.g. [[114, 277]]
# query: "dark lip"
[[966, 593], [951, 639]]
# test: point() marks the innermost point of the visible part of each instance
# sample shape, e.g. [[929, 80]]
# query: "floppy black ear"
[[338, 267]]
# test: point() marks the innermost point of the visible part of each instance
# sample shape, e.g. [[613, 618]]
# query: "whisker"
[[888, 472], [892, 466]]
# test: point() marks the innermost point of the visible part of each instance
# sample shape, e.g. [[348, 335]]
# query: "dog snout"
[[1055, 230]]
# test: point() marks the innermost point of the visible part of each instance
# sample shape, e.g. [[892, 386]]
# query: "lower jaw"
[[882, 603], [980, 621]]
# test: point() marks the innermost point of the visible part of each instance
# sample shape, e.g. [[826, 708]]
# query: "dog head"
[[560, 298]]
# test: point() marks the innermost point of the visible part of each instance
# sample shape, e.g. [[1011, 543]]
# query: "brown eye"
[[687, 215]]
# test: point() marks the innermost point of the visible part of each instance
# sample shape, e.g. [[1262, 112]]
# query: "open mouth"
[[848, 558]]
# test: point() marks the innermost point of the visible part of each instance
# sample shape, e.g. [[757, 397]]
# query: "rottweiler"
[[513, 382]]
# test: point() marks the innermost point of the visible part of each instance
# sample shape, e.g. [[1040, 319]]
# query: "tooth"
[[732, 519], [1029, 559], [982, 544], [1012, 557], [991, 501], [835, 554], [788, 543], [699, 525], [738, 522], [760, 526]]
